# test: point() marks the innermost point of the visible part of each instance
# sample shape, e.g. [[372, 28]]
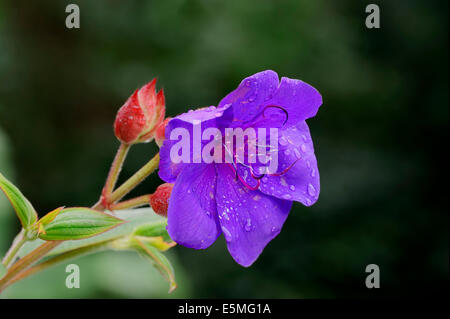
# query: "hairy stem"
[[58, 259], [114, 171], [26, 261], [132, 203], [15, 247], [135, 180], [15, 271]]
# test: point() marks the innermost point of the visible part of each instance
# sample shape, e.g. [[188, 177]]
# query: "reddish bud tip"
[[137, 119], [159, 200], [161, 132]]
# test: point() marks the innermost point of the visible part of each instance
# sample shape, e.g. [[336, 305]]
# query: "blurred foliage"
[[381, 136]]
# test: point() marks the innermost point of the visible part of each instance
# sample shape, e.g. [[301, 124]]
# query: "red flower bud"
[[137, 119], [161, 131], [159, 200]]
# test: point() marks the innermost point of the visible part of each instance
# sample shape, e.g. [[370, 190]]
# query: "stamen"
[[286, 169], [277, 107]]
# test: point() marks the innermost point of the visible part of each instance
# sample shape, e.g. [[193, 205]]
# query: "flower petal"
[[299, 179], [299, 99], [250, 98], [206, 117], [249, 219], [192, 217]]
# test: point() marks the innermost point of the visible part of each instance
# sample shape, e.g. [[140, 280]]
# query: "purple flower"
[[240, 200]]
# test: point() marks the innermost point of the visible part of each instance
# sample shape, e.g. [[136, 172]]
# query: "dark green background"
[[380, 137]]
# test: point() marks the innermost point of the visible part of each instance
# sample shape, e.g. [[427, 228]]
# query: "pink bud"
[[161, 131], [159, 200], [137, 119]]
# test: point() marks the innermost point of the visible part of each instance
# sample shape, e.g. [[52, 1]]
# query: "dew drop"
[[313, 172], [297, 153], [311, 190], [292, 187], [287, 152], [248, 225], [283, 141], [287, 196], [264, 179], [303, 148], [227, 234]]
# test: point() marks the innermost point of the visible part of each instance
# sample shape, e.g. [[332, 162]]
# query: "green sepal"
[[159, 261], [154, 229], [23, 208]]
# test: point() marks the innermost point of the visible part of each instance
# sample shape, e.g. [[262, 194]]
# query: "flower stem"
[[115, 169], [132, 203], [58, 259], [15, 247], [26, 261], [135, 180], [15, 271]]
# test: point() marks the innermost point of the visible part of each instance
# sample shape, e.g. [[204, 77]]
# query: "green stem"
[[135, 180], [115, 169], [22, 264], [132, 203], [15, 247], [26, 261], [58, 259]]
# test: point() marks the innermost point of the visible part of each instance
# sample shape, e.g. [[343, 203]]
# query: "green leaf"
[[78, 223], [24, 210], [3, 270], [158, 260], [133, 217]]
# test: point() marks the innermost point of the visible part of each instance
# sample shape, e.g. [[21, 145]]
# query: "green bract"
[[24, 210]]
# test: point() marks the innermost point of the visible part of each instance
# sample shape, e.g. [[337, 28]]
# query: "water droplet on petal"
[[274, 230], [297, 153], [311, 190], [292, 187], [303, 148], [264, 179], [248, 225], [313, 172], [286, 196], [227, 234], [287, 152], [283, 141]]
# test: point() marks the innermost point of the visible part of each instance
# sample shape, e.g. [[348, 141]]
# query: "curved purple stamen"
[[277, 107]]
